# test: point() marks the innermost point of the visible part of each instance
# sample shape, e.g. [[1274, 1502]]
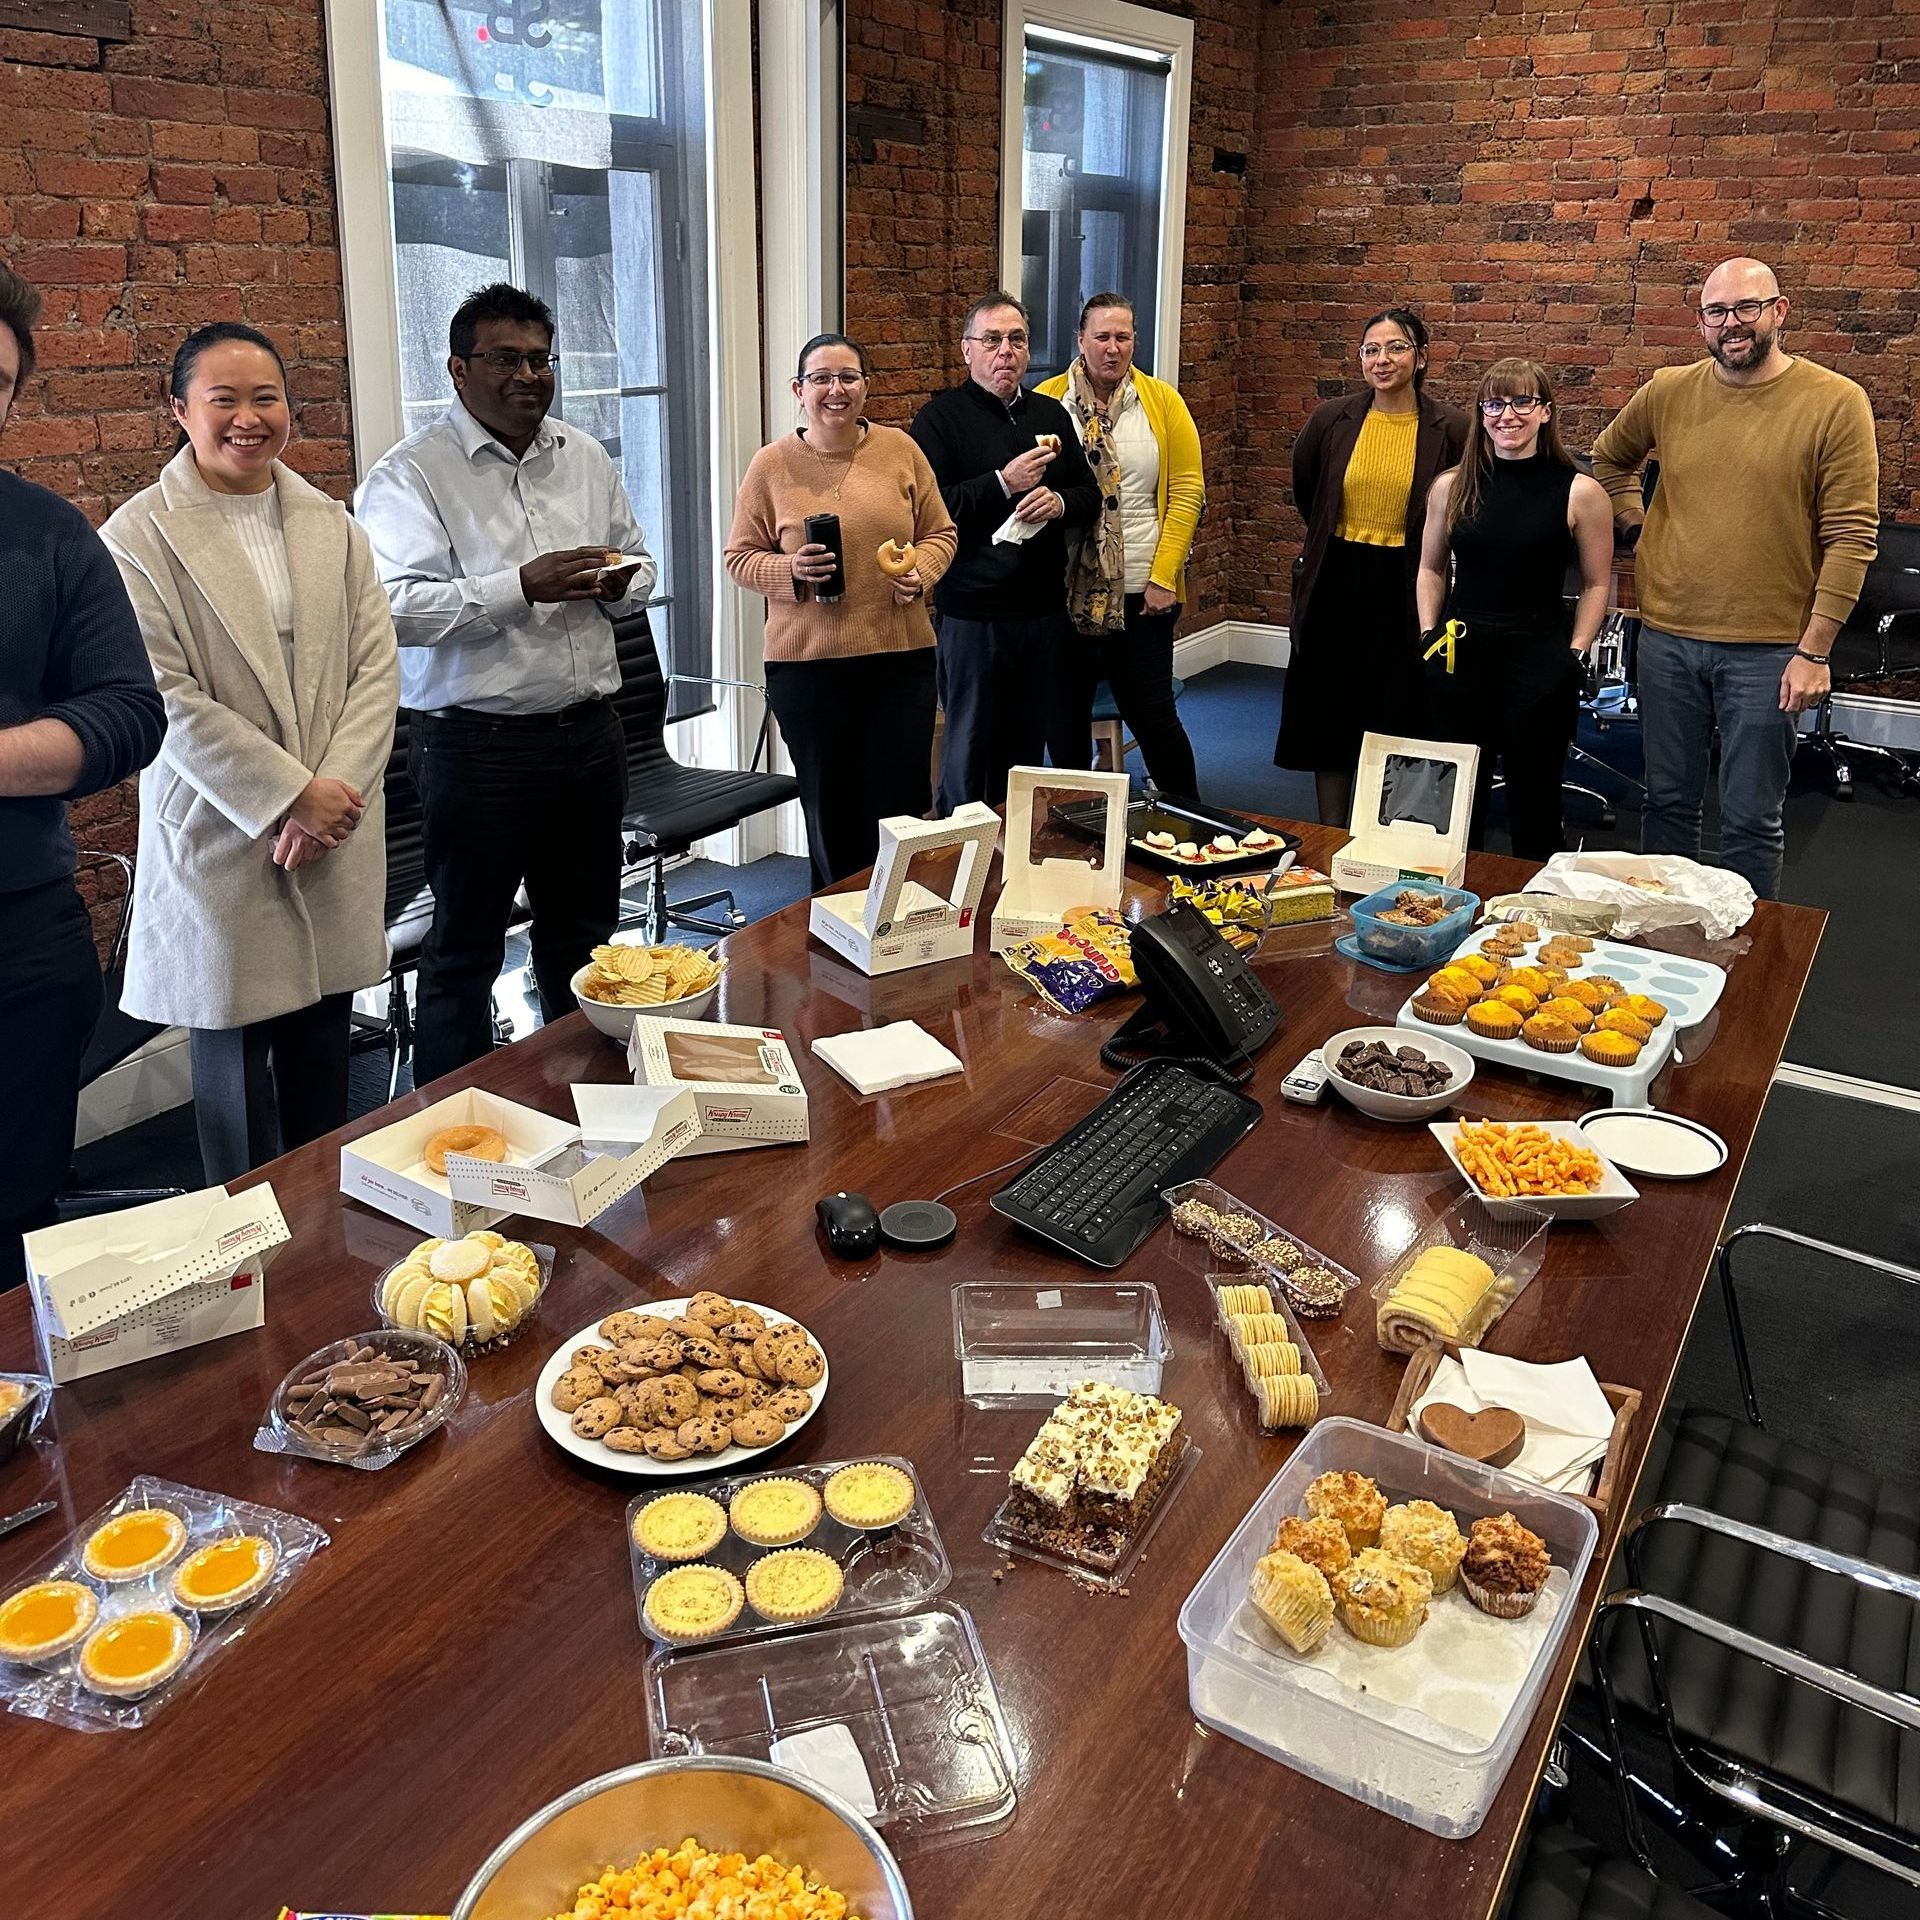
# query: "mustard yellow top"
[[1373, 497]]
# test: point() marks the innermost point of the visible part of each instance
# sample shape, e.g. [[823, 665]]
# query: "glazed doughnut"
[[477, 1143], [896, 559]]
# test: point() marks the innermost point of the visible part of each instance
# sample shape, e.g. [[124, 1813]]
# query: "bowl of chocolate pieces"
[[1379, 1071]]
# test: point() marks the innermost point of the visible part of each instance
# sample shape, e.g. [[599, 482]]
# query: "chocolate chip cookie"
[[597, 1418]]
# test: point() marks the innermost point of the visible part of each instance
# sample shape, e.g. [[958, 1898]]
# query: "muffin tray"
[[1688, 989], [887, 1570], [53, 1690]]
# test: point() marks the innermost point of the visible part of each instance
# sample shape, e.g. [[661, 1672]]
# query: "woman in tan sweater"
[[850, 680]]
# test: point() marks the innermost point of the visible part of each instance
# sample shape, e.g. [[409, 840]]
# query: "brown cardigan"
[[1320, 455]]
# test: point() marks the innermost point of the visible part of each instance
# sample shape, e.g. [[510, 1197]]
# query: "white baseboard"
[[1248, 641], [154, 1080]]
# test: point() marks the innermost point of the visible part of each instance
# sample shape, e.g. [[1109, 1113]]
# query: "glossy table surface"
[[467, 1648]]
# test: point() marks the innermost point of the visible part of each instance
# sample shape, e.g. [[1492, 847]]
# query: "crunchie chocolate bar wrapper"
[[1089, 959]]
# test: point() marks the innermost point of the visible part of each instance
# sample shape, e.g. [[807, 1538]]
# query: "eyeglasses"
[[1521, 405], [993, 342], [1393, 349], [835, 377], [505, 360], [1717, 315]]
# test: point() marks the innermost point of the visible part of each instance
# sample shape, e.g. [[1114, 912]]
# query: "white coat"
[[220, 936]]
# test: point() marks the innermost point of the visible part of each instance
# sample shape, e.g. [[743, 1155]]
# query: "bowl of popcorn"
[[622, 982], [684, 1834]]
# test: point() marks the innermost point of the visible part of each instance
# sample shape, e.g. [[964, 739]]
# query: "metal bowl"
[[730, 1805]]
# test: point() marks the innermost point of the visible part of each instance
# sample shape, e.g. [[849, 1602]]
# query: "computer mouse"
[[850, 1223]]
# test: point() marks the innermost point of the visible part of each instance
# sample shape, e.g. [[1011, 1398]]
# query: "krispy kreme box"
[[743, 1080], [1412, 803]]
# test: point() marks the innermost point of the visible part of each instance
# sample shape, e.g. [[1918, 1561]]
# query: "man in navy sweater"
[[1002, 605], [79, 711]]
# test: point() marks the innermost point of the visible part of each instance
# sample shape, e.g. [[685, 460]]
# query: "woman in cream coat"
[[260, 887]]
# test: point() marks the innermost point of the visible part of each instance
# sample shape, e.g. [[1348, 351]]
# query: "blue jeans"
[[1688, 688]]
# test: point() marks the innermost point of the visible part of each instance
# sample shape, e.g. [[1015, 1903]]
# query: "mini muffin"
[[794, 1585], [1494, 1020], [1521, 999], [776, 1512], [1320, 1543], [1531, 978], [1608, 985], [1649, 1010], [1557, 953], [1523, 929], [679, 1526], [1610, 1049], [1624, 1020], [1381, 1600], [1504, 1567], [1555, 977], [1590, 994], [1549, 1034], [1427, 1537], [1573, 942], [1459, 980], [1565, 1008], [1354, 1501], [1477, 964], [1439, 1006], [1293, 1598], [1504, 947]]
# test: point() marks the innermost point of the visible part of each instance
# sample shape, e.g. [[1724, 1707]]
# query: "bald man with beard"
[[1754, 548]]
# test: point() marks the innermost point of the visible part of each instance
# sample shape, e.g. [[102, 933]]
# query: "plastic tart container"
[[282, 1433], [24, 1398], [1020, 1344], [887, 1570], [1309, 1360], [1302, 1272], [1512, 1240], [1417, 1736], [469, 1345]]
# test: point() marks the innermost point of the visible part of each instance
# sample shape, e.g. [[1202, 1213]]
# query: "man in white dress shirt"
[[493, 528]]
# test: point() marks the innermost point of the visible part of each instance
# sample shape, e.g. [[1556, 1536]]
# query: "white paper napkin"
[[1567, 1417], [882, 1058], [1012, 532]]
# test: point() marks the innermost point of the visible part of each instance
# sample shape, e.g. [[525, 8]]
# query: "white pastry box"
[[743, 1081], [125, 1286], [1040, 887], [895, 921], [553, 1171], [1412, 806]]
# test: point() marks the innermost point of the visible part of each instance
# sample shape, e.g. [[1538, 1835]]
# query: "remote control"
[[1307, 1083]]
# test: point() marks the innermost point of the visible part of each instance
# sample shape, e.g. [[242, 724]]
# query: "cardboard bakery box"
[[1412, 805], [895, 921], [122, 1287], [743, 1080], [1047, 871]]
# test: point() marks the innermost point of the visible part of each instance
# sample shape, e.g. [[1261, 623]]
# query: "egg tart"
[[134, 1653], [134, 1544], [225, 1573], [680, 1526], [869, 1496], [45, 1619], [795, 1585], [694, 1603], [776, 1512]]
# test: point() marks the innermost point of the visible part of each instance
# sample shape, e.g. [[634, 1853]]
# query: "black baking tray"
[[1185, 820]]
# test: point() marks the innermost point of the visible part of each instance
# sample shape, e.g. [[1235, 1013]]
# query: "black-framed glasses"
[[1520, 405], [1393, 349], [505, 360], [835, 377], [993, 342], [1717, 314]]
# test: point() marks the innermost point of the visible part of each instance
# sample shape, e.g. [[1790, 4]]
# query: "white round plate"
[[559, 1426], [1664, 1146]]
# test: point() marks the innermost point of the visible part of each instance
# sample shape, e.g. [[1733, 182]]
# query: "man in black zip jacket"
[[1001, 608], [79, 711]]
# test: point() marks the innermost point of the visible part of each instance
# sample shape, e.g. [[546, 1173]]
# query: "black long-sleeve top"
[[70, 650], [968, 435]]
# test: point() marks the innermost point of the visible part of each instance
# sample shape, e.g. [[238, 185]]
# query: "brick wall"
[[146, 187]]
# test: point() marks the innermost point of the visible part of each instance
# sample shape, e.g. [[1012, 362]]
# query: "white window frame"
[[1104, 24]]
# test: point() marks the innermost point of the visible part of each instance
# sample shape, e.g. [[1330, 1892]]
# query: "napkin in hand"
[[878, 1060], [1012, 532], [1568, 1418]]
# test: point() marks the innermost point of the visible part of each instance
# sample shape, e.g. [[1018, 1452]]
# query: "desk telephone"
[[1201, 995]]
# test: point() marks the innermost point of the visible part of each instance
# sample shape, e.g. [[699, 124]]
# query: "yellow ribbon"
[[1450, 637]]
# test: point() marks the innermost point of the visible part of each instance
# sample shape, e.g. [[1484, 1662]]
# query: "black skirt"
[[1355, 669]]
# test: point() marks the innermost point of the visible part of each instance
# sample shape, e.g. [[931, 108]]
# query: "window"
[[561, 144], [1096, 97]]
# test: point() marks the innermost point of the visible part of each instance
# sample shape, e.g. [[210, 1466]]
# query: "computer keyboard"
[[1096, 1190]]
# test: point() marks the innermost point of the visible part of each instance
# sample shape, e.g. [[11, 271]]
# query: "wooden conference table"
[[467, 1648]]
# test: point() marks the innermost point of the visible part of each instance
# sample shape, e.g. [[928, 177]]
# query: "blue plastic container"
[[1388, 944]]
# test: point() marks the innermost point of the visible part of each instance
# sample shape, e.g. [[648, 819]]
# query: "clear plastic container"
[[1438, 1766], [1393, 945], [280, 1433], [899, 1716], [24, 1399], [886, 1570], [1302, 1272], [1309, 1360], [1023, 1345], [1512, 1241], [469, 1345]]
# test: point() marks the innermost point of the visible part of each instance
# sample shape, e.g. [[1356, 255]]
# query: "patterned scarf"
[[1097, 572]]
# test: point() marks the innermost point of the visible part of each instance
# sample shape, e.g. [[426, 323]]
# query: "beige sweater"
[[889, 493]]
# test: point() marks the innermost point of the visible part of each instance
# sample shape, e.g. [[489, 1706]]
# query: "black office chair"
[[1888, 607], [670, 806], [409, 903], [1770, 1633], [1563, 1876]]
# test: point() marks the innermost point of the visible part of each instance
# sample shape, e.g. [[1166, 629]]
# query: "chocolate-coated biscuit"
[[597, 1418], [801, 1365], [723, 1383], [757, 1428], [663, 1443], [706, 1433]]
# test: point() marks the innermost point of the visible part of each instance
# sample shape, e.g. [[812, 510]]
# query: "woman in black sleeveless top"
[[1503, 530]]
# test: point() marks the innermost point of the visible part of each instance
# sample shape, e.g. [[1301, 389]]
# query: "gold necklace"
[[826, 472]]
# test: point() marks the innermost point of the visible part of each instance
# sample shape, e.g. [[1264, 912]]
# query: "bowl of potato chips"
[[620, 983]]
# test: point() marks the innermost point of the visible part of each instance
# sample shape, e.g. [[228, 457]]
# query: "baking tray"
[[1185, 820]]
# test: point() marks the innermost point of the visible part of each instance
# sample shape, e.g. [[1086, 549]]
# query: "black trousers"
[[50, 1001], [511, 800], [260, 1091], [994, 676], [861, 735], [1137, 664]]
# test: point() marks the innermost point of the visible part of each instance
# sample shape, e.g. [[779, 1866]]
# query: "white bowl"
[[1398, 1106], [617, 1022], [1614, 1191]]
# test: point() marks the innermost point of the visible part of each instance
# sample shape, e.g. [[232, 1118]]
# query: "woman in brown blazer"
[[1361, 470]]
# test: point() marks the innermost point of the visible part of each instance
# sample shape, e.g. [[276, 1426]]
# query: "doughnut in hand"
[[477, 1143], [1051, 441], [896, 559]]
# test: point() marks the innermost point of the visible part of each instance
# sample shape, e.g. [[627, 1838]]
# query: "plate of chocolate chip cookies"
[[681, 1386]]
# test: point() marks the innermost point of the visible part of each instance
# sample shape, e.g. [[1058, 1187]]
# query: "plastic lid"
[[1663, 1145]]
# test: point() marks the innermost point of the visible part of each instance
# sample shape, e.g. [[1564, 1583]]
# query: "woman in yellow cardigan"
[[1128, 576]]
